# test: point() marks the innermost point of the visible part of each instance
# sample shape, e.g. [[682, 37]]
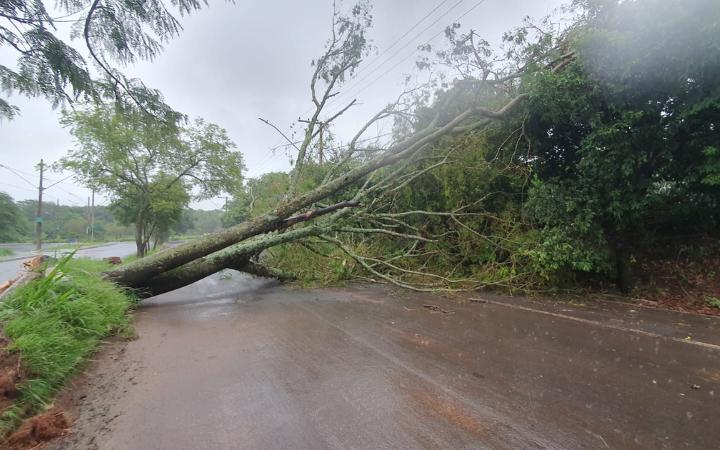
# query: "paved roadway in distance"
[[11, 267]]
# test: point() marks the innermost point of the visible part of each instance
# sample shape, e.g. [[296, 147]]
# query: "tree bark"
[[234, 257], [139, 240]]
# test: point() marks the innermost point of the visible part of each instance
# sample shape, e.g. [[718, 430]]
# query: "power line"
[[70, 193], [364, 67], [358, 82], [57, 182], [24, 172], [18, 175], [17, 187], [415, 50], [376, 58]]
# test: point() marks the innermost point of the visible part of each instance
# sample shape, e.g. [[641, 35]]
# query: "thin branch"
[[290, 141]]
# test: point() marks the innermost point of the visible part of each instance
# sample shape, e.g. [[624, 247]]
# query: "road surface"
[[243, 363], [10, 267]]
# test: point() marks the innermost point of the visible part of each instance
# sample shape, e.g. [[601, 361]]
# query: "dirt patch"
[[451, 410], [683, 284], [11, 375], [38, 429], [414, 338]]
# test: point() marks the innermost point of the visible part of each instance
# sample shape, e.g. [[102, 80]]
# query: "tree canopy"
[[110, 32], [150, 169], [13, 225]]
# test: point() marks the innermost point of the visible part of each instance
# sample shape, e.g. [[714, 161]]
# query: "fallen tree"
[[357, 172]]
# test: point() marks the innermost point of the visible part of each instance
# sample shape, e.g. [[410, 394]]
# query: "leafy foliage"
[[120, 31], [166, 202], [13, 225], [614, 153], [150, 168]]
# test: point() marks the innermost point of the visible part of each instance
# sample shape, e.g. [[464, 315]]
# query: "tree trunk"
[[623, 273], [139, 240], [234, 257]]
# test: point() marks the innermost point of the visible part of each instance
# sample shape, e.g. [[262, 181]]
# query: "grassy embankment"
[[54, 325]]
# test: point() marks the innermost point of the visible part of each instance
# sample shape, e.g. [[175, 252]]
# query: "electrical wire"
[[409, 55], [397, 41], [358, 82], [14, 171]]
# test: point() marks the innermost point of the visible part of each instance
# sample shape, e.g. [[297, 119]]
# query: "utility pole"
[[38, 216], [87, 229], [92, 217]]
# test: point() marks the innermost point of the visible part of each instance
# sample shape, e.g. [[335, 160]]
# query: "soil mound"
[[11, 375], [35, 430]]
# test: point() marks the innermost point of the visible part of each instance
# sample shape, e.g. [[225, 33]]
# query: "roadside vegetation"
[[608, 178], [51, 327], [578, 151]]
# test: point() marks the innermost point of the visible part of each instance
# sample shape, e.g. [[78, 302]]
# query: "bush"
[[320, 265]]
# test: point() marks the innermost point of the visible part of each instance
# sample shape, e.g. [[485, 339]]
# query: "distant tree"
[[13, 226], [165, 202], [203, 222], [143, 163], [258, 196]]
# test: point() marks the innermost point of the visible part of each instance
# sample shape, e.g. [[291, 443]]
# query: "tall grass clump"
[[55, 323]]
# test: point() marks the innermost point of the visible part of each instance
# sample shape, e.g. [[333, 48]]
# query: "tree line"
[[65, 223]]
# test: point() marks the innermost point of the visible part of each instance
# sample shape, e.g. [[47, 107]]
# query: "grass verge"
[[6, 252], [54, 324]]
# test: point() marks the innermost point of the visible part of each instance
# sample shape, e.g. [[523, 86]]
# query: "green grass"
[[713, 301], [6, 252], [56, 323]]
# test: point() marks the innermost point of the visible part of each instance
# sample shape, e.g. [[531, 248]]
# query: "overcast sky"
[[236, 62]]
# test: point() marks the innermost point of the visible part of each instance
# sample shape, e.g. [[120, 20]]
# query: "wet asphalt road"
[[242, 363]]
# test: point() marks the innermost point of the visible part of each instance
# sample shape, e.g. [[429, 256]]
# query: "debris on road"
[[436, 308]]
